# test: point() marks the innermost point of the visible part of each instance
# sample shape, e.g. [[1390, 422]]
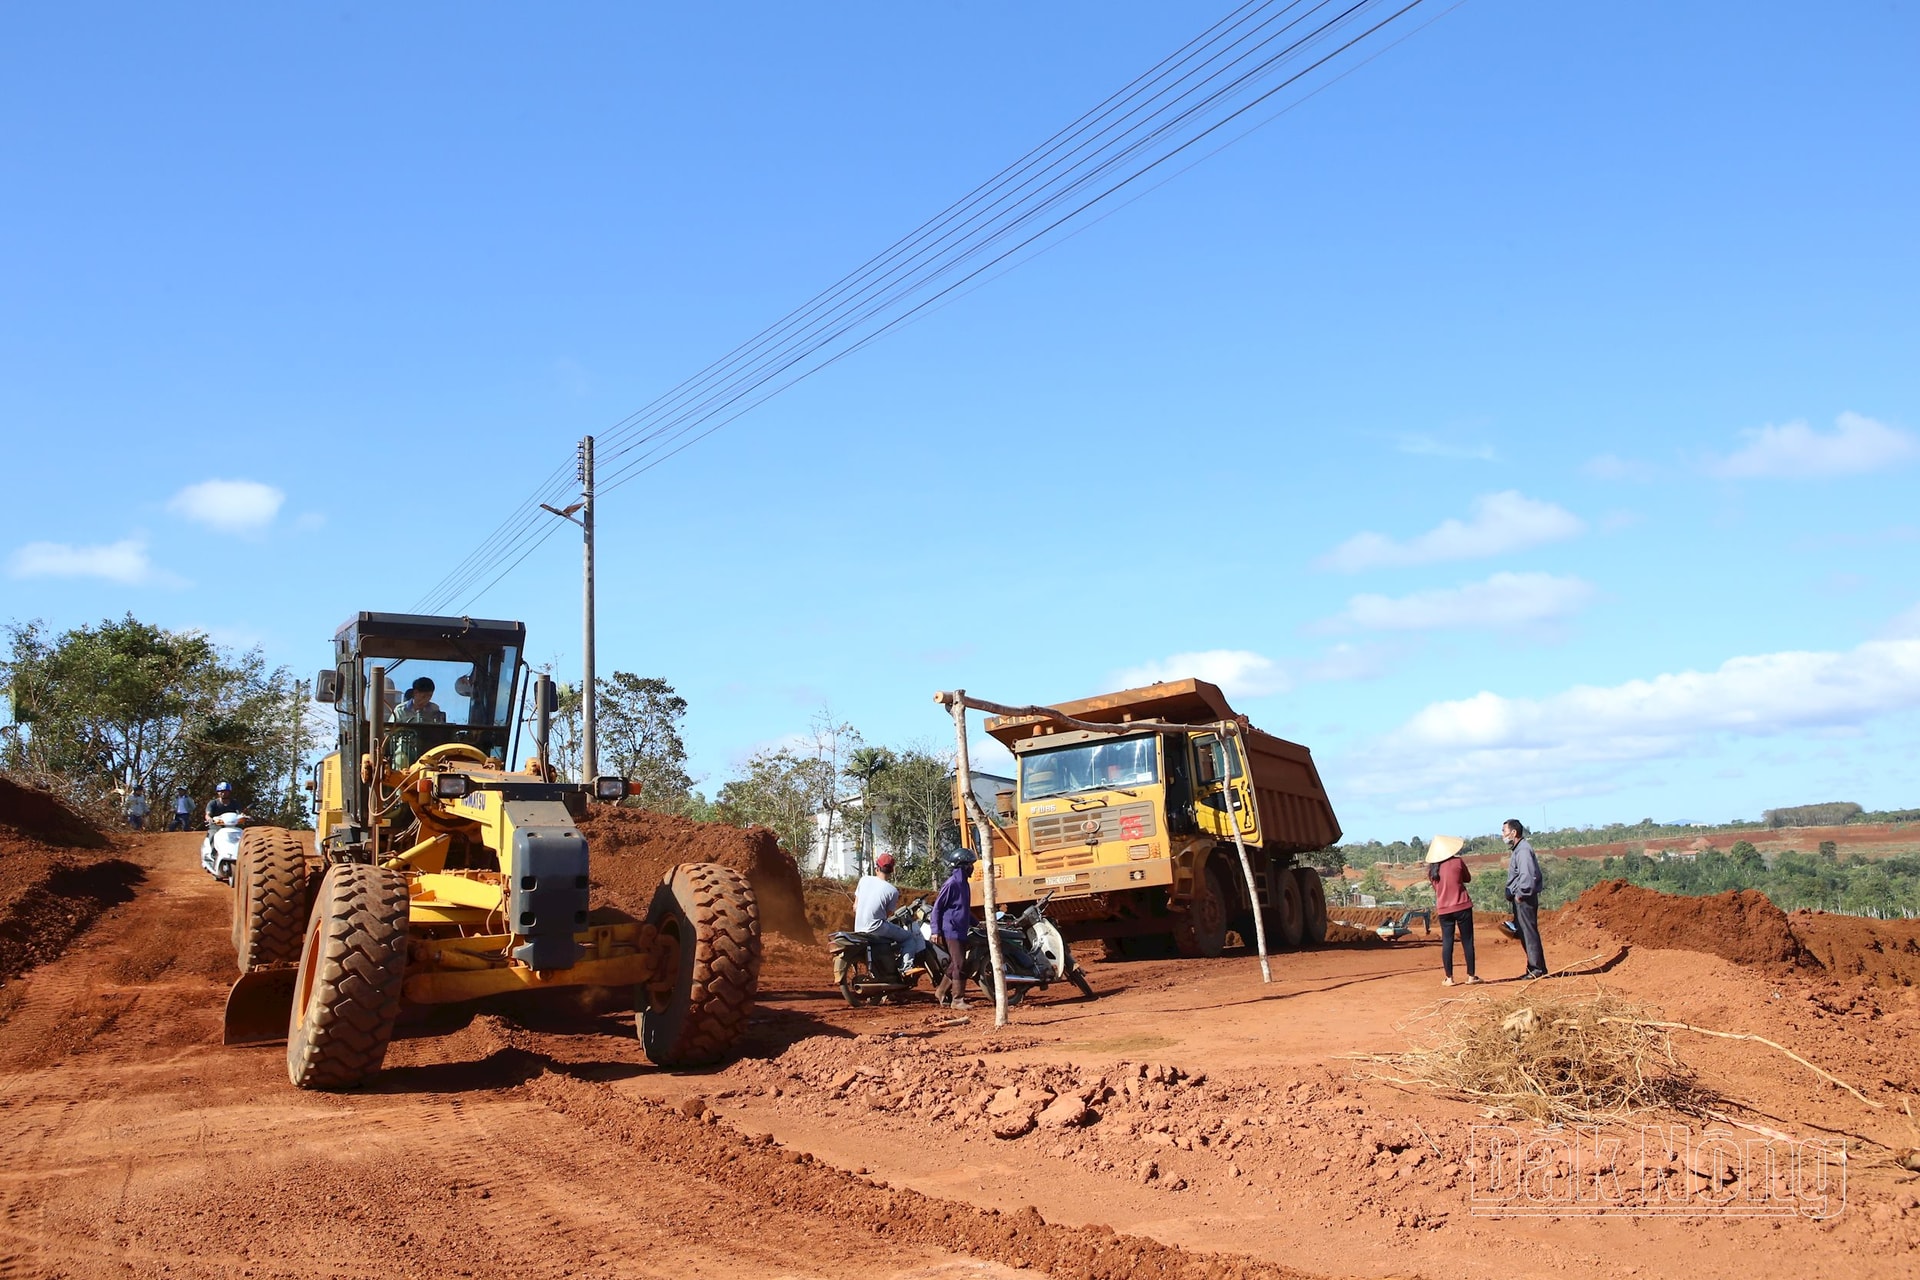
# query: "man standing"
[[137, 808], [1524, 883], [874, 899], [952, 921], [182, 810]]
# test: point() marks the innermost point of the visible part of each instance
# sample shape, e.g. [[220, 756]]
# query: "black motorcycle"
[[1034, 949], [869, 968]]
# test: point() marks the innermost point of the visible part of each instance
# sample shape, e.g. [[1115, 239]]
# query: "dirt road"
[[1200, 1116]]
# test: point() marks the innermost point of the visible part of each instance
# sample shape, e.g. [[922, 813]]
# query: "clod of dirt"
[[633, 849], [34, 814], [1742, 926], [1883, 952]]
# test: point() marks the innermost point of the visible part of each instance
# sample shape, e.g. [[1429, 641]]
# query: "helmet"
[[225, 786], [884, 862], [962, 858]]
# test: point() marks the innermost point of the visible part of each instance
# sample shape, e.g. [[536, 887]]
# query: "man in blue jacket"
[[1524, 883], [952, 920]]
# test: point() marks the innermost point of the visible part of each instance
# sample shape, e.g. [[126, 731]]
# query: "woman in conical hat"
[[1447, 872]]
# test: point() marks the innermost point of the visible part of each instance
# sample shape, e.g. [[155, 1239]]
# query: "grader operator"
[[436, 875]]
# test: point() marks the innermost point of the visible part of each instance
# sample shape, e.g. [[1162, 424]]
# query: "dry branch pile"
[[1566, 1058]]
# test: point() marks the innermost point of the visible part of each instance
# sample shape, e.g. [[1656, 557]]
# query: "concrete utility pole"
[[589, 746]]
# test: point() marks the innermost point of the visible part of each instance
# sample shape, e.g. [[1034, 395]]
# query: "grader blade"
[[260, 1006]]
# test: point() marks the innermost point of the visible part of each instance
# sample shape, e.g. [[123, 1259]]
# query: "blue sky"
[[1529, 422]]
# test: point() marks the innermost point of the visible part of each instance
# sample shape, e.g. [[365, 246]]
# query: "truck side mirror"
[[326, 686]]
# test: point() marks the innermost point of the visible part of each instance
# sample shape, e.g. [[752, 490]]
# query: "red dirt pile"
[[633, 849], [1885, 953], [55, 877], [1742, 926]]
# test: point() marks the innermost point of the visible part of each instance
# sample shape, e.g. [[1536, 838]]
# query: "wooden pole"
[[1246, 864], [963, 780]]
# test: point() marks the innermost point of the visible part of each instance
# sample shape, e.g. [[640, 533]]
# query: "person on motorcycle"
[[876, 898], [952, 921], [222, 802]]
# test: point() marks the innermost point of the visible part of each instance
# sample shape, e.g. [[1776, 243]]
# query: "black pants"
[[1526, 914], [1463, 922]]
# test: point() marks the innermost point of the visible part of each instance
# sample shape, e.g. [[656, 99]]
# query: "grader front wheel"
[[694, 1016], [346, 995], [269, 897]]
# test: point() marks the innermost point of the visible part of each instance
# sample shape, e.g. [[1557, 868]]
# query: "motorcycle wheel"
[[854, 998], [1079, 979]]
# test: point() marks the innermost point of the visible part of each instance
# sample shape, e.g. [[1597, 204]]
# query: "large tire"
[[1313, 903], [1203, 930], [270, 897], [699, 1019], [1285, 923], [346, 996]]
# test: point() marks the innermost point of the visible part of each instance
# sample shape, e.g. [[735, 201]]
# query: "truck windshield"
[[475, 694], [1092, 766]]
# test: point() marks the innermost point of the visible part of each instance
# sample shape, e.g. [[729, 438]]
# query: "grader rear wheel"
[[346, 995], [1313, 902], [270, 897], [1285, 923], [695, 1016]]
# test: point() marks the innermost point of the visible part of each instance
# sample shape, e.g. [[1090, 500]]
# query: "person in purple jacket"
[[952, 920]]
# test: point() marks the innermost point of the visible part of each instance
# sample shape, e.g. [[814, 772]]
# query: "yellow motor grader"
[[436, 875]]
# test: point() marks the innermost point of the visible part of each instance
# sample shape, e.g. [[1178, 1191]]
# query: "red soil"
[[633, 849], [1742, 926], [57, 873]]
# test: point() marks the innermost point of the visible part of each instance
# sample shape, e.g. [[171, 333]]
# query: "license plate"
[[1061, 880]]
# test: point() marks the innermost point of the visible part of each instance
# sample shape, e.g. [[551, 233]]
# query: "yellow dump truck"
[[1132, 829]]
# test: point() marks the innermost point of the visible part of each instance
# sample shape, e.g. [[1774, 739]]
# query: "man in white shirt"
[[874, 899]]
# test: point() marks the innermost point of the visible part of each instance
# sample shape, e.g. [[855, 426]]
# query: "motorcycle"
[[869, 968], [1033, 948], [220, 849]]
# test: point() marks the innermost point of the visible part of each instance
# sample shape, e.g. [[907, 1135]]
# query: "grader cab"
[[437, 875]]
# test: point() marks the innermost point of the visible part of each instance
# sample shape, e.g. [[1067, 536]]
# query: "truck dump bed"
[[1295, 814]]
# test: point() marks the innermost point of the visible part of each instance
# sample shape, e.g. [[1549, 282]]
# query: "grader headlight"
[[451, 786], [609, 787]]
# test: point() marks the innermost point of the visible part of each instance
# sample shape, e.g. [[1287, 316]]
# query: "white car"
[[221, 848]]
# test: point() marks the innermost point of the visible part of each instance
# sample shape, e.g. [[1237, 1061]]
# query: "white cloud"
[[231, 506], [125, 561], [1423, 446], [1905, 626], [1607, 466], [1576, 742], [1501, 522], [1504, 600], [1857, 444], [1238, 672]]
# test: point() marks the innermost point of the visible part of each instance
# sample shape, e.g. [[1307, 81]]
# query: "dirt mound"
[[633, 849], [1885, 953], [38, 815], [54, 877], [1742, 926]]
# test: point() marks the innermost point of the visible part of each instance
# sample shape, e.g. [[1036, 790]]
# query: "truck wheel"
[[270, 898], [1313, 904], [346, 994], [1204, 930], [1284, 916], [695, 1016]]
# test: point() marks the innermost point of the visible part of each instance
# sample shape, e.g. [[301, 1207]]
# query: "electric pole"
[[589, 747]]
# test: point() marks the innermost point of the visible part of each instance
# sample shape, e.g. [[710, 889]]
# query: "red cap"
[[884, 862]]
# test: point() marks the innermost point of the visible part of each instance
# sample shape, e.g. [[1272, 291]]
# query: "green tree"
[[913, 803], [638, 725], [1373, 882], [782, 790], [98, 710], [864, 764]]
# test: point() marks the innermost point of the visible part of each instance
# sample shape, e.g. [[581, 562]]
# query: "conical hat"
[[1444, 847]]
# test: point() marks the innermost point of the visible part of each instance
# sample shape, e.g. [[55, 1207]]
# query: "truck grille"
[[1083, 830]]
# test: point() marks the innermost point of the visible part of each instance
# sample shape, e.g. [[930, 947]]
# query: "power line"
[[1148, 122]]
